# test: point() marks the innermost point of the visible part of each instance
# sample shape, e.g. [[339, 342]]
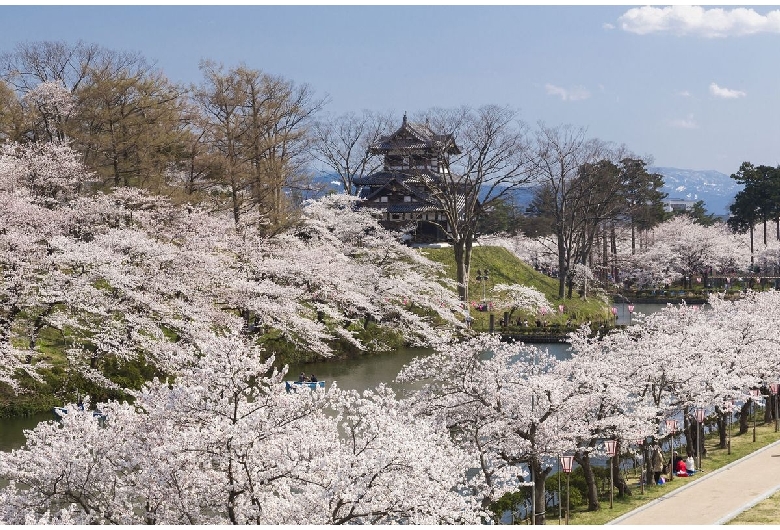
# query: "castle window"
[[407, 198], [383, 199]]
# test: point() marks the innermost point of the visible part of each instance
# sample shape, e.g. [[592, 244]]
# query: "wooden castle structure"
[[400, 195]]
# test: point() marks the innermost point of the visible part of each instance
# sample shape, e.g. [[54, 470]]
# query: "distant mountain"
[[716, 189]]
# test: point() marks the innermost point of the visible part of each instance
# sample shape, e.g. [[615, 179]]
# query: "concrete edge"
[[698, 481], [748, 506]]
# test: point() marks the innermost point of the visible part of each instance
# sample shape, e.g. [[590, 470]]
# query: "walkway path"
[[717, 497]]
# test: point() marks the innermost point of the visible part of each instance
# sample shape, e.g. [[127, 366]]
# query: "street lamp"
[[729, 406], [671, 427], [630, 312], [643, 473], [609, 446], [754, 393], [700, 415], [566, 463], [775, 389]]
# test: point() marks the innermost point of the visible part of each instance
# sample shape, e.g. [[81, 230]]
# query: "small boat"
[[63, 411], [293, 386]]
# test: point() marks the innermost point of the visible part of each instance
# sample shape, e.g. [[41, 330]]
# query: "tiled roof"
[[400, 207], [422, 138], [382, 177]]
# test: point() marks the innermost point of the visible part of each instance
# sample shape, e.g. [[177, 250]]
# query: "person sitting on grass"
[[680, 469], [690, 465]]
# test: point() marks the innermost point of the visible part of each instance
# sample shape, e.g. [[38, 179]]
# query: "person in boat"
[[313, 378], [302, 378]]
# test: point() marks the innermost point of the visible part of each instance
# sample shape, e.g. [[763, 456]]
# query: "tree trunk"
[[462, 271], [744, 412], [617, 477], [590, 481], [562, 272], [540, 477], [690, 428], [722, 428]]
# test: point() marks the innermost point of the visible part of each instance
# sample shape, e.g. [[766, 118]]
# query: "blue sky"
[[695, 88]]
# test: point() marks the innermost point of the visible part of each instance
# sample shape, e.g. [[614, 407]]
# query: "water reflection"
[[367, 372], [355, 374], [12, 429]]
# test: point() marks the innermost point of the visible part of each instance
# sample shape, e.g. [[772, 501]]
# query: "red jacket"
[[681, 470]]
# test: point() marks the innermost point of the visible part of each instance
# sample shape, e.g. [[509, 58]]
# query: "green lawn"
[[764, 513], [504, 267]]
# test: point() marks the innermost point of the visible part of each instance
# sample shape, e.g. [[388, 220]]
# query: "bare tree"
[[342, 145], [557, 157], [258, 125], [490, 164]]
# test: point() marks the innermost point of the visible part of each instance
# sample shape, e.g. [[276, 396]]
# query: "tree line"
[[246, 142], [236, 141]]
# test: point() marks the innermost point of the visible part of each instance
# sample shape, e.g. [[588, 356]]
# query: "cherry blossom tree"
[[225, 444], [683, 248], [504, 403], [520, 298]]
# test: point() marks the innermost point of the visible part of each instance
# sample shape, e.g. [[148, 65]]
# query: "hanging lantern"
[[567, 462]]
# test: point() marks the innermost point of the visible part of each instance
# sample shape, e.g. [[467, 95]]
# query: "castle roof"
[[414, 137]]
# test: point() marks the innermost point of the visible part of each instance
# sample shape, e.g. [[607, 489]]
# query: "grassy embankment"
[[504, 267], [60, 383], [741, 445]]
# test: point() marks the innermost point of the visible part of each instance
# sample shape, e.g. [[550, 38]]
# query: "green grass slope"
[[505, 267]]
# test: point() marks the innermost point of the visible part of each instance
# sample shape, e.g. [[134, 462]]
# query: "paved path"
[[716, 497]]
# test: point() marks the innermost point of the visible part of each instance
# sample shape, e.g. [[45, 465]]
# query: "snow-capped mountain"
[[716, 189]]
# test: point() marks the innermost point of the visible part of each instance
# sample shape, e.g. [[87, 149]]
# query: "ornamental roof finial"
[[404, 123]]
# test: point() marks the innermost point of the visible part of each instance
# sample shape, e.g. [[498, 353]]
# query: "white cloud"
[[695, 20], [684, 94], [607, 25], [568, 94], [726, 93], [685, 123]]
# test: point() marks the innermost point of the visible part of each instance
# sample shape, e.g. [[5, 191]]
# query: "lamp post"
[[559, 490], [700, 415], [729, 406], [482, 277], [671, 427], [775, 389], [566, 464], [609, 446], [643, 472], [630, 312], [614, 313], [754, 393]]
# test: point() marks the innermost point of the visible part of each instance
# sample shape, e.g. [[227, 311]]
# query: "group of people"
[[682, 467], [304, 379]]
